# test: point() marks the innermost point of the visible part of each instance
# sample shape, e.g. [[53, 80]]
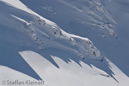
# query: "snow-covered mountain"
[[64, 42]]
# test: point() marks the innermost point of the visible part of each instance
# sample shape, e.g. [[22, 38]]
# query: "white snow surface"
[[64, 42]]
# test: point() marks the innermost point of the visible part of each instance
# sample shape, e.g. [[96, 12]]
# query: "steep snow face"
[[76, 15], [119, 52], [23, 29], [71, 74], [48, 34], [104, 22], [35, 46]]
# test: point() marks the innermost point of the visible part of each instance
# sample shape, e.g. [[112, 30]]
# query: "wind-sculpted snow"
[[47, 35], [85, 13], [23, 29], [101, 17], [97, 13], [38, 37]]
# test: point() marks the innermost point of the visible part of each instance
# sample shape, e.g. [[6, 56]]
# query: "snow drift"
[[37, 42]]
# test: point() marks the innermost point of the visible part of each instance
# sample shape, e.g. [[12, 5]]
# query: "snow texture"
[[64, 42]]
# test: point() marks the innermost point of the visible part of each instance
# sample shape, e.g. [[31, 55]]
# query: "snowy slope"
[[32, 47], [104, 22]]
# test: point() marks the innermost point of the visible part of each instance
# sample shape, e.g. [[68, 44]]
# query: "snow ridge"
[[45, 46], [47, 35]]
